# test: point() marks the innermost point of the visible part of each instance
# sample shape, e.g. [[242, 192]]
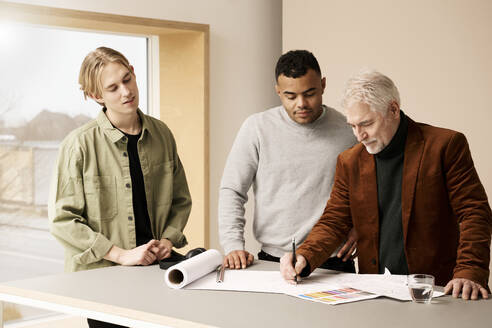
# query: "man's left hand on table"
[[468, 289]]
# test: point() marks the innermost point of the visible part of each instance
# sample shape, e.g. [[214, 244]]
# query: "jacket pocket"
[[162, 183], [100, 197]]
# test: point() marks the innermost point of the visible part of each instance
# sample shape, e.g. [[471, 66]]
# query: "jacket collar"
[[414, 148], [113, 133]]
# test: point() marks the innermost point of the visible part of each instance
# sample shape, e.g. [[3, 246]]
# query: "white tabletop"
[[138, 296]]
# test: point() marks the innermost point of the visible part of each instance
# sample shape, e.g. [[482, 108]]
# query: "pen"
[[220, 274], [294, 259]]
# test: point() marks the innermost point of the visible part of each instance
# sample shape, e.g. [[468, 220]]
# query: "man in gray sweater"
[[288, 153]]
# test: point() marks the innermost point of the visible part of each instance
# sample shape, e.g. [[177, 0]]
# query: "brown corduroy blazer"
[[446, 217]]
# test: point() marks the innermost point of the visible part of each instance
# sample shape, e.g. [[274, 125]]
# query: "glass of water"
[[421, 287]]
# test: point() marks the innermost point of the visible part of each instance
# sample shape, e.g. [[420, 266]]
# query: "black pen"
[[294, 259]]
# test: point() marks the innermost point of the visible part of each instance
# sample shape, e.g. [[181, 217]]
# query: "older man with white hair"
[[410, 191]]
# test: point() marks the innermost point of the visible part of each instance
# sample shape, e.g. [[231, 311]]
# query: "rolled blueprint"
[[183, 273]]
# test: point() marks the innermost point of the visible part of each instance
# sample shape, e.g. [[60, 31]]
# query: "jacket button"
[[373, 261], [125, 154], [130, 218], [127, 185]]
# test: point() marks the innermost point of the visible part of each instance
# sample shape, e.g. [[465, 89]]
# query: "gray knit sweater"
[[291, 167]]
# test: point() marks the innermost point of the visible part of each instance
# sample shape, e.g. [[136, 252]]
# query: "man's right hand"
[[141, 255], [287, 270], [238, 259]]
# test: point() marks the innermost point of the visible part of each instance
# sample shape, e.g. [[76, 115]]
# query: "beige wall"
[[438, 52], [183, 58], [245, 42]]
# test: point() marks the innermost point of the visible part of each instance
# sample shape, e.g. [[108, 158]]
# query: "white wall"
[[245, 42], [438, 52]]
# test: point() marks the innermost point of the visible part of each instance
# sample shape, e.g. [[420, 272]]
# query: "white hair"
[[372, 88]]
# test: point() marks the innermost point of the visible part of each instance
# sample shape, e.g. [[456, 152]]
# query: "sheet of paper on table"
[[268, 282], [331, 288], [319, 287]]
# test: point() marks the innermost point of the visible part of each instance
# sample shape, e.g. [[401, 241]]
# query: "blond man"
[[119, 194]]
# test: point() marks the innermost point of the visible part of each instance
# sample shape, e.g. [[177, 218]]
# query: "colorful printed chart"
[[337, 296]]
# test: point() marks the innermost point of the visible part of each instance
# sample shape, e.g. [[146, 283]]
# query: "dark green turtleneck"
[[389, 170]]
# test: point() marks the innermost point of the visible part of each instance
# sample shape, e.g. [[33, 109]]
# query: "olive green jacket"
[[91, 207]]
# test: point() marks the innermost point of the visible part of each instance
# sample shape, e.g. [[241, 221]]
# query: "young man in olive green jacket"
[[120, 194]]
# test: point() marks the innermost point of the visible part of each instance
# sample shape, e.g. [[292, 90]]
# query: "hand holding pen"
[[290, 269]]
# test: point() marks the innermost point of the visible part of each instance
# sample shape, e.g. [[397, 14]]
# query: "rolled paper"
[[185, 272]]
